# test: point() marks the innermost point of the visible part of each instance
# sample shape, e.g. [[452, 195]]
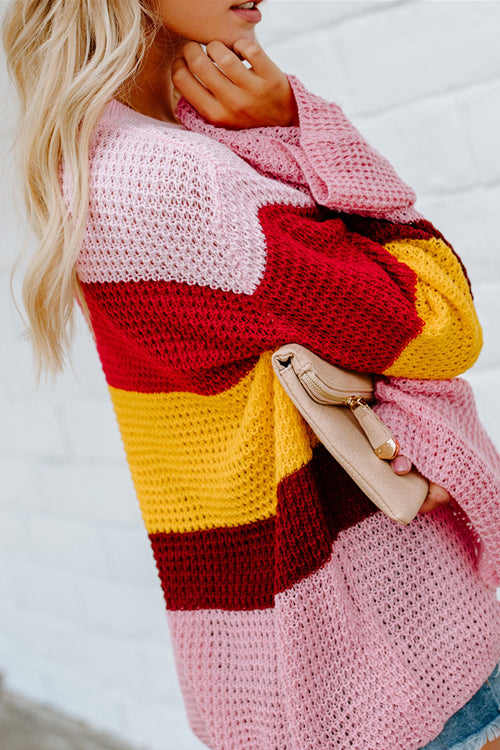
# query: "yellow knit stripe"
[[451, 338], [200, 462]]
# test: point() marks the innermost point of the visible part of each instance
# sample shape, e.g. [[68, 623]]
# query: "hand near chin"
[[234, 96]]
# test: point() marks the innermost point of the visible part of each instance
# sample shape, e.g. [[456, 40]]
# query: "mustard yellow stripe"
[[451, 338], [200, 462]]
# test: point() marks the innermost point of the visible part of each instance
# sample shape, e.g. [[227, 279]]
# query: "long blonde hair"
[[68, 58]]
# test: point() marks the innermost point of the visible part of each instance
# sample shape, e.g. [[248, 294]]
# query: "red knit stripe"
[[148, 352], [234, 568], [324, 287], [382, 231]]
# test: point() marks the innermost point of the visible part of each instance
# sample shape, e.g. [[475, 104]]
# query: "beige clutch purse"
[[333, 401]]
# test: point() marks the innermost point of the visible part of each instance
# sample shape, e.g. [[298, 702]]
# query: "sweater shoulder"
[[170, 204], [129, 145]]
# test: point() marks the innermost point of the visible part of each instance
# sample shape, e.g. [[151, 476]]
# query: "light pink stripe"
[[228, 672], [167, 204], [438, 427], [366, 651]]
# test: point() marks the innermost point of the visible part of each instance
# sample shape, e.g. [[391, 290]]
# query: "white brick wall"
[[82, 623]]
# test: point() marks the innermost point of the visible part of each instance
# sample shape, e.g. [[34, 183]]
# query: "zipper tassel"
[[378, 434]]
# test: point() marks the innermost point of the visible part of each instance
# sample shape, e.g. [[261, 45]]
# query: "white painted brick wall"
[[82, 622]]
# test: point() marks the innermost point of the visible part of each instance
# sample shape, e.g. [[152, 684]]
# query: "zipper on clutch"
[[318, 391], [379, 435]]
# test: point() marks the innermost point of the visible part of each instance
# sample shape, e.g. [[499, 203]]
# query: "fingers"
[[401, 465], [202, 66], [436, 497], [261, 64], [194, 91], [206, 67], [230, 64], [228, 94]]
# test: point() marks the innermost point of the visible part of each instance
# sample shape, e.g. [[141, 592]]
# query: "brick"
[[86, 378], [418, 50], [11, 214], [481, 112], [20, 486], [10, 322], [92, 429], [112, 660], [95, 492], [468, 220], [49, 590], [16, 374], [70, 544], [12, 533], [115, 607], [31, 428], [279, 23], [316, 53], [484, 384], [144, 667], [159, 726], [17, 359], [421, 80], [7, 585], [50, 637], [487, 301], [25, 673], [129, 554], [85, 699], [39, 634], [431, 154]]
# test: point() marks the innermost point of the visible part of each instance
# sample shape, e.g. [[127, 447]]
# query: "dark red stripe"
[[383, 231], [325, 287], [243, 568]]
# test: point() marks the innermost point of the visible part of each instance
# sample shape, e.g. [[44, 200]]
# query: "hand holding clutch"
[[334, 402]]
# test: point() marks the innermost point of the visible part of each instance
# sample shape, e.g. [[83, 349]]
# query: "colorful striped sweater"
[[302, 618]]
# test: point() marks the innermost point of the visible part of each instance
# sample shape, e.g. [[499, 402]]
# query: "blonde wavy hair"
[[68, 58]]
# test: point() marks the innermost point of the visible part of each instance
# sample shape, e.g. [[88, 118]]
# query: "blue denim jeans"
[[475, 723]]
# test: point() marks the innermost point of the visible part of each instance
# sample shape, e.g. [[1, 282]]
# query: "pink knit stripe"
[[437, 426], [326, 155], [237, 651], [335, 634], [171, 241]]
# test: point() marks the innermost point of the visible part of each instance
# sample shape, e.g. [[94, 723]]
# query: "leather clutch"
[[335, 403]]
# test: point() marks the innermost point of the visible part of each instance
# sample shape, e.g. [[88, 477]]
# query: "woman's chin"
[[229, 39]]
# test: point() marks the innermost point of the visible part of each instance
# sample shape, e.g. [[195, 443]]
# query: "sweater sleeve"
[[325, 155], [438, 428], [223, 264]]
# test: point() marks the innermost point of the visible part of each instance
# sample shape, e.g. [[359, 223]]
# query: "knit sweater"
[[302, 618]]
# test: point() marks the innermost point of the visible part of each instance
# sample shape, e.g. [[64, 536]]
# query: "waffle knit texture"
[[302, 618]]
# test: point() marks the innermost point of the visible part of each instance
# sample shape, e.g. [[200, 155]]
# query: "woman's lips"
[[253, 15]]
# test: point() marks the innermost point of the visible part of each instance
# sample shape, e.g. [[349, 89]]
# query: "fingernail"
[[401, 465]]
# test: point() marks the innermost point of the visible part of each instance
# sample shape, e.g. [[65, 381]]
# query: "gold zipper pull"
[[378, 434]]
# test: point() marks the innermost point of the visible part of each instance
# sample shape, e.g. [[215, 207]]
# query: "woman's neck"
[[152, 92]]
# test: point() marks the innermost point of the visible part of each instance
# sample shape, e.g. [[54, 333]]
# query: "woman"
[[199, 238]]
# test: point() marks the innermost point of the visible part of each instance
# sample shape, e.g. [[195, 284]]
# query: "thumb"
[[401, 465]]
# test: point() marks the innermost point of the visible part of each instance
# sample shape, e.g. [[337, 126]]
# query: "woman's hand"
[[436, 495], [235, 96]]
